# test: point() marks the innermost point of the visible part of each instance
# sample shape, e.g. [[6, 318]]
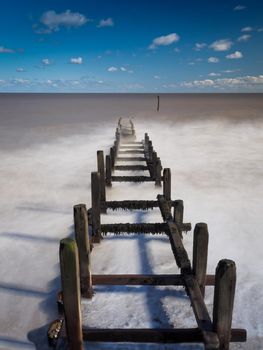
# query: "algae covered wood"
[[200, 249], [95, 195], [69, 269], [225, 283], [82, 240]]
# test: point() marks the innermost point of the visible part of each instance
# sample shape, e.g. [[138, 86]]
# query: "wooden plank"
[[83, 244], [130, 167], [225, 283], [131, 159], [134, 228], [131, 151], [69, 269], [131, 179], [108, 171], [200, 249], [138, 280], [112, 157], [95, 196], [131, 204], [167, 184], [158, 172], [202, 317], [144, 335], [100, 162], [179, 214], [123, 147]]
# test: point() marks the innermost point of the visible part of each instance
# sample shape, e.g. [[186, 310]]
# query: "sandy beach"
[[48, 143]]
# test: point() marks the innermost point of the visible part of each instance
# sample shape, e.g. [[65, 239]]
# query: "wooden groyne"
[[78, 281]]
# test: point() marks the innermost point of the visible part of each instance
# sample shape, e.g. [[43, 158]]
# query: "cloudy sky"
[[131, 46]]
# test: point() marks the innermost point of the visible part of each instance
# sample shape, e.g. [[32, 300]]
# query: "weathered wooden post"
[[150, 150], [82, 240], [112, 157], [95, 194], [179, 214], [108, 171], [158, 173], [167, 183], [158, 103], [200, 250], [69, 269], [154, 164], [225, 283], [132, 127], [146, 140], [100, 161], [119, 122]]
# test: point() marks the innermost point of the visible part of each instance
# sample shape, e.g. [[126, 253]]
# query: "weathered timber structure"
[[75, 256]]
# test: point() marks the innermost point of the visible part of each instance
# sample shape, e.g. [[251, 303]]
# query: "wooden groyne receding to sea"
[[77, 279]]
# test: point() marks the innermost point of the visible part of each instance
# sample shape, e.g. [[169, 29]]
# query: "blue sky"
[[131, 46]]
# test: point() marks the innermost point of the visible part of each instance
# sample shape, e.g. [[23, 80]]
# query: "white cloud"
[[156, 77], [212, 74], [112, 69], [123, 69], [199, 46], [106, 23], [213, 60], [239, 8], [260, 30], [245, 81], [221, 45], [20, 69], [164, 40], [6, 50], [76, 60], [235, 55], [244, 37], [53, 21], [46, 62], [247, 29]]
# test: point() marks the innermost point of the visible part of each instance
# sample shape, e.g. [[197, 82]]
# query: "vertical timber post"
[[179, 214], [158, 173], [100, 161], [69, 269], [82, 240], [95, 194], [225, 283], [112, 157], [154, 164], [158, 103], [167, 183], [108, 171], [200, 249]]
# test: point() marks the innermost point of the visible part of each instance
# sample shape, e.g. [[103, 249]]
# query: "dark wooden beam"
[[138, 280], [144, 335]]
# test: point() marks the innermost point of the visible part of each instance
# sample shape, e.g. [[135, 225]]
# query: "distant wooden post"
[[150, 150], [146, 140], [225, 283], [200, 249], [112, 157], [158, 173], [119, 122], [154, 164], [69, 269], [167, 183], [95, 194], [179, 214], [100, 161], [82, 240], [158, 103], [108, 171], [132, 127]]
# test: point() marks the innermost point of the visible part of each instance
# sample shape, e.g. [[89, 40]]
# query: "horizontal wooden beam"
[[132, 147], [131, 179], [132, 159], [130, 167], [150, 280], [131, 204], [180, 335], [134, 228], [131, 151]]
